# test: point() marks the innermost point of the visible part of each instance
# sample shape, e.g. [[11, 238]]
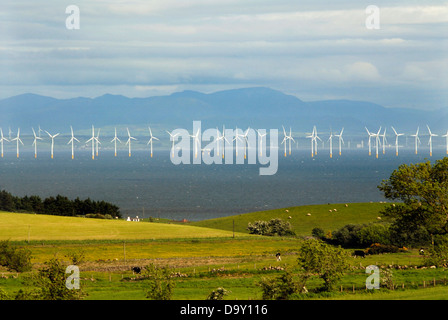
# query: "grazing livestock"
[[359, 253], [278, 257]]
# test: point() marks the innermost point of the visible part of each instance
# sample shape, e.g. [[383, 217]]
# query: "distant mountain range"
[[257, 107]]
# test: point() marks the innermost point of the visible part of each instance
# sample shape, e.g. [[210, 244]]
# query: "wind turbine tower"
[[396, 140], [340, 140], [129, 141], [35, 143], [72, 141], [430, 140], [384, 141], [151, 139], [417, 140], [97, 141], [311, 136], [261, 135], [2, 139], [52, 142], [18, 140], [331, 144], [93, 142], [114, 140], [172, 139]]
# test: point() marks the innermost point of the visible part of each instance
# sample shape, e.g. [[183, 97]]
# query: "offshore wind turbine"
[[151, 139], [246, 141], [114, 140], [430, 140], [220, 137], [315, 140], [93, 142], [384, 141], [261, 141], [172, 139], [2, 139], [396, 140], [52, 142], [129, 141], [377, 140], [331, 144], [371, 135], [97, 141], [340, 140], [35, 142], [196, 143], [288, 138], [311, 136], [224, 139], [417, 139], [18, 140], [237, 137], [72, 141]]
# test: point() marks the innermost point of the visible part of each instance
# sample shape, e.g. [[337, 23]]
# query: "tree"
[[50, 283], [160, 284], [422, 190], [327, 261]]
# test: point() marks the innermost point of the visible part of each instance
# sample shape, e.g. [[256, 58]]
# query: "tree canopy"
[[421, 191], [59, 205]]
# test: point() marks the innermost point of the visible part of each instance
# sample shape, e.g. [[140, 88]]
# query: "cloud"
[[307, 48]]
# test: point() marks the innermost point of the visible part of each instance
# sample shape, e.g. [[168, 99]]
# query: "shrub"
[[373, 233], [318, 233], [51, 284], [13, 258], [279, 288], [4, 295], [271, 228], [438, 253], [362, 235], [160, 284], [377, 248], [218, 294], [347, 236]]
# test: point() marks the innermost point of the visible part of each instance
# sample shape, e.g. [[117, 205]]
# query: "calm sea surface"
[[143, 186]]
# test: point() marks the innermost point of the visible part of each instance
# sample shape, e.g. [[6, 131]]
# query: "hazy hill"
[[255, 107]]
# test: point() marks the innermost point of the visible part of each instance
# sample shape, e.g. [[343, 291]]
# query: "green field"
[[304, 218], [211, 253]]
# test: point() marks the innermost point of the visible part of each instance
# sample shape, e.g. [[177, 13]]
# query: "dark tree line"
[[59, 205]]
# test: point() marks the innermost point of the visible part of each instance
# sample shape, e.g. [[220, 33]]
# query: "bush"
[[218, 294], [279, 288], [160, 284], [347, 236], [438, 253], [318, 233], [374, 233], [13, 258], [274, 227], [362, 235], [377, 248], [50, 284]]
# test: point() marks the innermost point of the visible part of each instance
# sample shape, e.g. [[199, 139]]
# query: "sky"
[[315, 50]]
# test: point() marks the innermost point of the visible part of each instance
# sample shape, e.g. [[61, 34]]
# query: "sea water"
[[155, 187]]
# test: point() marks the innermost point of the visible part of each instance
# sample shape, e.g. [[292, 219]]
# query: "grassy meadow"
[[207, 254]]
